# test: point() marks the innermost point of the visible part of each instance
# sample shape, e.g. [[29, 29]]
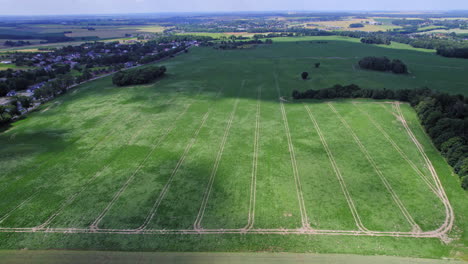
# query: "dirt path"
[[384, 180], [304, 218]]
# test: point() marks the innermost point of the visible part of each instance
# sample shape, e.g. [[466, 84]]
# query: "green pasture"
[[153, 155]]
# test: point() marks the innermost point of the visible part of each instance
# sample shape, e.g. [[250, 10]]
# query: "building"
[[11, 93]]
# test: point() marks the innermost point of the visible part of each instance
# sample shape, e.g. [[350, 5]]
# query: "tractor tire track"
[[304, 218], [206, 195], [168, 184], [387, 185], [352, 207], [253, 183]]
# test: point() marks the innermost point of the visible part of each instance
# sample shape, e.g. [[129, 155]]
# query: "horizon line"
[[440, 11]]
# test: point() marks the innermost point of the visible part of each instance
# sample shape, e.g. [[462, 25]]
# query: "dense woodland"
[[138, 76], [376, 40], [453, 52], [18, 43], [383, 64], [444, 117]]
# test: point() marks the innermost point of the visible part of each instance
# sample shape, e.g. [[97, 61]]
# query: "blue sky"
[[32, 7]]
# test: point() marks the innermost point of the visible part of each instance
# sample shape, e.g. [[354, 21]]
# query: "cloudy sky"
[[30, 7]]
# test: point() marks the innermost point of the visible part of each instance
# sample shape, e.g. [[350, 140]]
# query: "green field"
[[216, 157], [13, 66]]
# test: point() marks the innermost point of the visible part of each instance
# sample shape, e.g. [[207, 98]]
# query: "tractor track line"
[[395, 114], [17, 207], [387, 185], [156, 143], [168, 184], [449, 215], [400, 151], [96, 222], [72, 197], [297, 180], [209, 187], [74, 163], [253, 184], [352, 207], [174, 172]]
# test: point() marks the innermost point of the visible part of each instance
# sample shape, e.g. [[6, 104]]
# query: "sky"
[[64, 7]]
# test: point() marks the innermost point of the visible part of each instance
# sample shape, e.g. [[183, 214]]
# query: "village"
[[49, 74]]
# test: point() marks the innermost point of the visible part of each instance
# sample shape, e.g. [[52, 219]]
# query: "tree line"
[[443, 116], [383, 64], [17, 43], [453, 52], [376, 40], [138, 76]]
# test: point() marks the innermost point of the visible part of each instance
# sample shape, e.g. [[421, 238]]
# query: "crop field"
[[344, 24], [217, 157]]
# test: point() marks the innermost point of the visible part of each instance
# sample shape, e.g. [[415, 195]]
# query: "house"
[[6, 62], [129, 64], [11, 93], [35, 87]]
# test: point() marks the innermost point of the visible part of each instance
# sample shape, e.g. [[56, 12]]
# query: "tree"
[[23, 101], [464, 182], [399, 67], [3, 111], [317, 65], [304, 75], [461, 168], [3, 89]]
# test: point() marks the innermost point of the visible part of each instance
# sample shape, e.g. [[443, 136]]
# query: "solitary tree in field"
[[232, 38], [317, 64], [304, 75]]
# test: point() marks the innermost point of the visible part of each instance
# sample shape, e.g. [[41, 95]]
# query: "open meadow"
[[216, 156]]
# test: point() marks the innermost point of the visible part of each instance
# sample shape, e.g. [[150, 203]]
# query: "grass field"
[[215, 157], [13, 66]]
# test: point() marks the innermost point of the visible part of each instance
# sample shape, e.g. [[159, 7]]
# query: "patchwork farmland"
[[218, 149]]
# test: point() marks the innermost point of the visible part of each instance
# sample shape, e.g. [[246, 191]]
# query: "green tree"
[[464, 182], [3, 111], [304, 75]]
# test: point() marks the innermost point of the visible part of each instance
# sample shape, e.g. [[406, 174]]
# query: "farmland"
[[217, 157]]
